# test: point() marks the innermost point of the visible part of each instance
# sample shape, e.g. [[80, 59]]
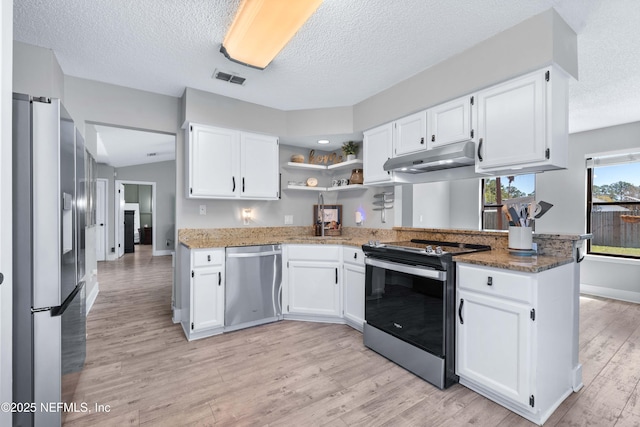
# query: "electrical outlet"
[[288, 219], [203, 209]]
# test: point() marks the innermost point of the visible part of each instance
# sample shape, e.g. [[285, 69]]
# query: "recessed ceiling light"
[[323, 141]]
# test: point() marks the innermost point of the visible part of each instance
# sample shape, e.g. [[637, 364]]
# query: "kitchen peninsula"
[[544, 286]]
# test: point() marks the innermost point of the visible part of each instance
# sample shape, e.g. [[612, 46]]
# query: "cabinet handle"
[[460, 311], [355, 255], [489, 281], [208, 258], [480, 149], [422, 140], [219, 278], [233, 178], [433, 138], [336, 275], [243, 184]]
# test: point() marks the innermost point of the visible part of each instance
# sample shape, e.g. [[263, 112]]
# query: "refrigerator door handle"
[[59, 311]]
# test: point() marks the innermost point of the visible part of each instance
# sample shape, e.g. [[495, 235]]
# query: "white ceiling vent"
[[227, 77]]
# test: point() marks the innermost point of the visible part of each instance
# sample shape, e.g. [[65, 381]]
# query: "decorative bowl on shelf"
[[297, 158]]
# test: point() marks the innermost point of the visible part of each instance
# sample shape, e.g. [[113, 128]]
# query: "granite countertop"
[[504, 259], [497, 257], [202, 243]]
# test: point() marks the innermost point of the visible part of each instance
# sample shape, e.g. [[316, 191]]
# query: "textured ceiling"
[[120, 147], [346, 52]]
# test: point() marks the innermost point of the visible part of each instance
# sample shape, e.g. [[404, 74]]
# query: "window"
[[613, 205], [519, 187]]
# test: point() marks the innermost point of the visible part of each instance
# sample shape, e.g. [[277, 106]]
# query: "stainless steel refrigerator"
[[49, 315]]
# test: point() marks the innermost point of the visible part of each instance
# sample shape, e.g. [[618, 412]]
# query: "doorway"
[[138, 198]]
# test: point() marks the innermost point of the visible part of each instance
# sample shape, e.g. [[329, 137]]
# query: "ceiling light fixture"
[[323, 141], [261, 28]]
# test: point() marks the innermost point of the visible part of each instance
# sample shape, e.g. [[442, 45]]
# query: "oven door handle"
[[403, 268]]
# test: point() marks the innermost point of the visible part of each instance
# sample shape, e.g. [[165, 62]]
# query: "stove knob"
[[438, 250], [429, 250]]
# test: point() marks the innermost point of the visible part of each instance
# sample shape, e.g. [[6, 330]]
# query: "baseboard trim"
[[91, 298], [162, 253], [176, 315], [617, 294]]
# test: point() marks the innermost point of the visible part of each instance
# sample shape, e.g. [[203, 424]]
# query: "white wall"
[[40, 74], [530, 45], [6, 303], [566, 190], [431, 205]]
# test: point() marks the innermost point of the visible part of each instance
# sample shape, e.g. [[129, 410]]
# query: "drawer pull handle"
[[489, 281], [460, 311], [355, 255], [209, 258]]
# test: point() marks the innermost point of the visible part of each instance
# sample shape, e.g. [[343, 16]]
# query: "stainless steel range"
[[410, 305]]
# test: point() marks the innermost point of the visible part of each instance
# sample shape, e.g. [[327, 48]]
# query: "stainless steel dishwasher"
[[253, 290]]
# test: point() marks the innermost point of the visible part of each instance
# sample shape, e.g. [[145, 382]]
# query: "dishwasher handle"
[[254, 254]]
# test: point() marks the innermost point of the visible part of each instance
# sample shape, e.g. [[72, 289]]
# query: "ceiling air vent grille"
[[231, 78]]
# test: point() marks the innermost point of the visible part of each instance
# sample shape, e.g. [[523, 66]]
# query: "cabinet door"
[[410, 134], [512, 123], [207, 298], [450, 122], [353, 283], [213, 162], [314, 288], [377, 149], [259, 166], [494, 344]]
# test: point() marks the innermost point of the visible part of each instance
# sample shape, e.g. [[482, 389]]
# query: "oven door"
[[407, 302]]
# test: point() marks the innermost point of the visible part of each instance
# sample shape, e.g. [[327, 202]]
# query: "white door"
[[101, 215], [207, 298], [450, 122], [411, 134], [494, 344], [213, 162], [512, 122], [259, 166], [353, 281], [120, 220], [377, 149], [314, 288]]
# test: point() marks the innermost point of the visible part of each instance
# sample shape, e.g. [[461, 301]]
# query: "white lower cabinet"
[[514, 336], [202, 295], [313, 287], [353, 275]]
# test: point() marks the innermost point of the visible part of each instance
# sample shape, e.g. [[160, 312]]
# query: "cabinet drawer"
[[496, 282], [352, 255], [204, 257], [314, 252]]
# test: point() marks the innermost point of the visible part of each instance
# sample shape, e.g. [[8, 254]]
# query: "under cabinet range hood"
[[445, 157]]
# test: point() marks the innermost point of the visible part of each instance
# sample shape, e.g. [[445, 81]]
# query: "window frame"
[[590, 205], [501, 219]]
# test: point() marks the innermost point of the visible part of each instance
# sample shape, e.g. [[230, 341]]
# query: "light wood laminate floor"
[[301, 373]]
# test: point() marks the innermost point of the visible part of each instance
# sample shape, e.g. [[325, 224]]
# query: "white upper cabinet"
[[213, 163], [259, 166], [451, 122], [410, 134], [377, 148], [228, 164], [522, 124]]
